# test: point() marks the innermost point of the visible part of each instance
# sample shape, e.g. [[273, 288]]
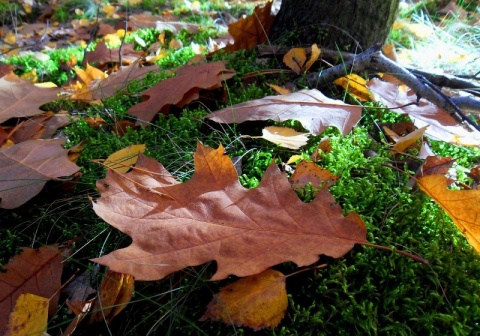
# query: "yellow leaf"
[[463, 206], [356, 85], [89, 74], [29, 317], [284, 137], [109, 10], [10, 38], [257, 301], [295, 59], [122, 160], [30, 76], [279, 89], [315, 55], [402, 143], [175, 44], [115, 292], [112, 40], [46, 85], [294, 158]]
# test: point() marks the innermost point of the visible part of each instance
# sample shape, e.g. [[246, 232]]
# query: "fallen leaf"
[[310, 107], [279, 89], [27, 166], [29, 317], [436, 165], [356, 86], [441, 125], [212, 217], [20, 98], [462, 206], [252, 30], [324, 147], [180, 90], [80, 309], [89, 74], [122, 160], [313, 57], [36, 272], [116, 291], [295, 58], [284, 137], [309, 172], [402, 143], [257, 301]]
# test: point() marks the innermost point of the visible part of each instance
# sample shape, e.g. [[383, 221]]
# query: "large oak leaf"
[[20, 98], [27, 166], [212, 217], [315, 111], [180, 90]]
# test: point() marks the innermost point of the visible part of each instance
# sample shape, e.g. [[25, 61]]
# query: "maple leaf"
[[461, 205], [213, 217], [36, 272], [27, 166], [257, 301], [310, 107], [252, 30], [180, 90], [20, 98], [441, 125]]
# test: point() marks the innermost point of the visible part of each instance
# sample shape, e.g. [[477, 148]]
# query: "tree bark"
[[349, 25]]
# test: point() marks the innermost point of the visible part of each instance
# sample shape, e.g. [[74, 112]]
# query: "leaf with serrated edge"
[[212, 217]]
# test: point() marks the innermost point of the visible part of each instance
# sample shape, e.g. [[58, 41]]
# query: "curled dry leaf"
[[116, 291], [213, 217], [461, 205], [310, 107], [252, 30], [295, 58], [257, 301]]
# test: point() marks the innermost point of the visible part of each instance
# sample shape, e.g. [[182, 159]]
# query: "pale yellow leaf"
[[284, 137]]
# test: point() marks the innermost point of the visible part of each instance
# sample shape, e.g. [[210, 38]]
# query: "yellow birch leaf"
[[295, 59], [294, 158], [122, 160], [279, 89], [10, 38], [462, 206], [404, 142], [116, 291], [314, 57], [356, 85], [284, 137], [29, 317], [257, 301]]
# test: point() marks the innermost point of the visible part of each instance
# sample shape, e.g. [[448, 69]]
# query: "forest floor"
[[144, 144]]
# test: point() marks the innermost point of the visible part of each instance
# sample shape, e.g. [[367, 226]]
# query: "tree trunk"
[[350, 25]]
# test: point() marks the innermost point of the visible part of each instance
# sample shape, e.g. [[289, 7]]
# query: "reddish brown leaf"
[[212, 217], [27, 166], [436, 165], [180, 90], [39, 127], [315, 111], [35, 272], [252, 30], [257, 301], [20, 98]]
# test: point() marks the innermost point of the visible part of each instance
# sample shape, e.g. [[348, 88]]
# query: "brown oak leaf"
[[212, 216]]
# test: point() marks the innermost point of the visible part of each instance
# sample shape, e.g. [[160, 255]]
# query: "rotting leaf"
[[256, 301], [213, 217], [315, 111], [460, 205]]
